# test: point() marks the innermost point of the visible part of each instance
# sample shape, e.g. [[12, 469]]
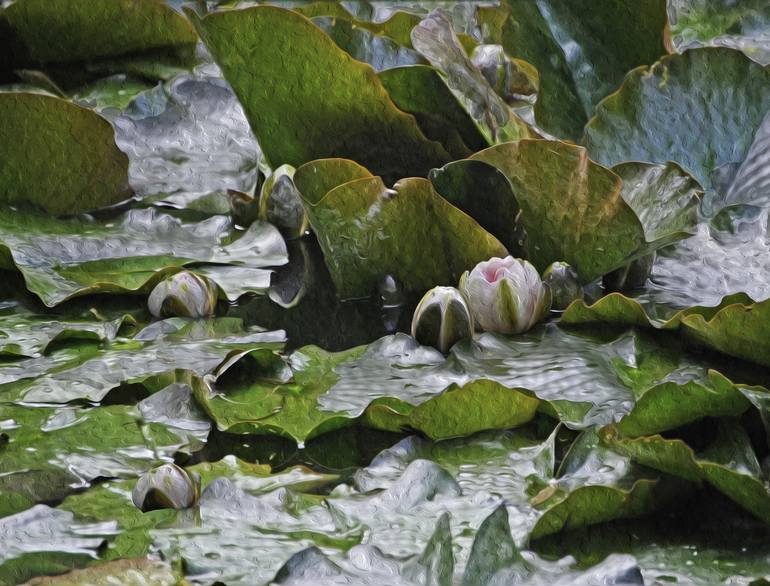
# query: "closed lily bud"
[[564, 284], [505, 295], [183, 294], [632, 276], [281, 205], [441, 319], [514, 80], [166, 487]]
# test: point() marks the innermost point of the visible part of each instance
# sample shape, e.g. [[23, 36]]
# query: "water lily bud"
[[514, 80], [183, 294], [166, 487], [441, 319], [564, 283], [632, 276], [506, 295], [280, 203]]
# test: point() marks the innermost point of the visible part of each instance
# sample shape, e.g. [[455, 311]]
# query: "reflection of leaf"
[[49, 164], [322, 103]]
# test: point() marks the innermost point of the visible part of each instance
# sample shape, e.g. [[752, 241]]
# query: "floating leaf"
[[721, 23], [582, 50], [42, 34], [47, 165], [61, 259], [571, 208], [322, 102], [419, 223], [729, 463], [698, 109]]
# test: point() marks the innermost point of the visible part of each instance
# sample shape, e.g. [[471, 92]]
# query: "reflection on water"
[[303, 302]]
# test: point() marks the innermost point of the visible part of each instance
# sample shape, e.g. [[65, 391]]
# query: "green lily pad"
[[106, 30], [421, 225], [572, 209], [322, 104], [582, 51], [421, 90], [61, 259], [721, 23], [45, 165], [75, 446], [697, 109], [729, 463]]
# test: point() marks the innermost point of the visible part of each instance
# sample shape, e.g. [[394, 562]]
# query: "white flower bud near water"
[[183, 294], [505, 295], [442, 318], [166, 487]]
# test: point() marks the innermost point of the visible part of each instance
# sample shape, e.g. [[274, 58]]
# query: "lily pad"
[[46, 165], [572, 209], [420, 225], [721, 23], [698, 109], [729, 463], [322, 104], [582, 51], [61, 259], [43, 34]]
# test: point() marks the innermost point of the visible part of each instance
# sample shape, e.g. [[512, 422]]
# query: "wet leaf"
[[46, 165], [742, 26], [60, 259], [351, 114], [572, 208], [136, 572], [419, 223], [714, 99], [582, 51]]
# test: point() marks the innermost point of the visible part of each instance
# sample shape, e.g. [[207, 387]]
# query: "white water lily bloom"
[[441, 319], [166, 487], [505, 295], [183, 294]]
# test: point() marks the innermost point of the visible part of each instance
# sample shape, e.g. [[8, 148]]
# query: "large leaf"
[[322, 103], [582, 50], [698, 109], [572, 209], [729, 463], [428, 241], [47, 163], [61, 259], [42, 33], [721, 23]]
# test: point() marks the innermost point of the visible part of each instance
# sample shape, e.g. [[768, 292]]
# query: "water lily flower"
[[183, 294], [505, 295], [166, 487], [564, 284], [441, 319]]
